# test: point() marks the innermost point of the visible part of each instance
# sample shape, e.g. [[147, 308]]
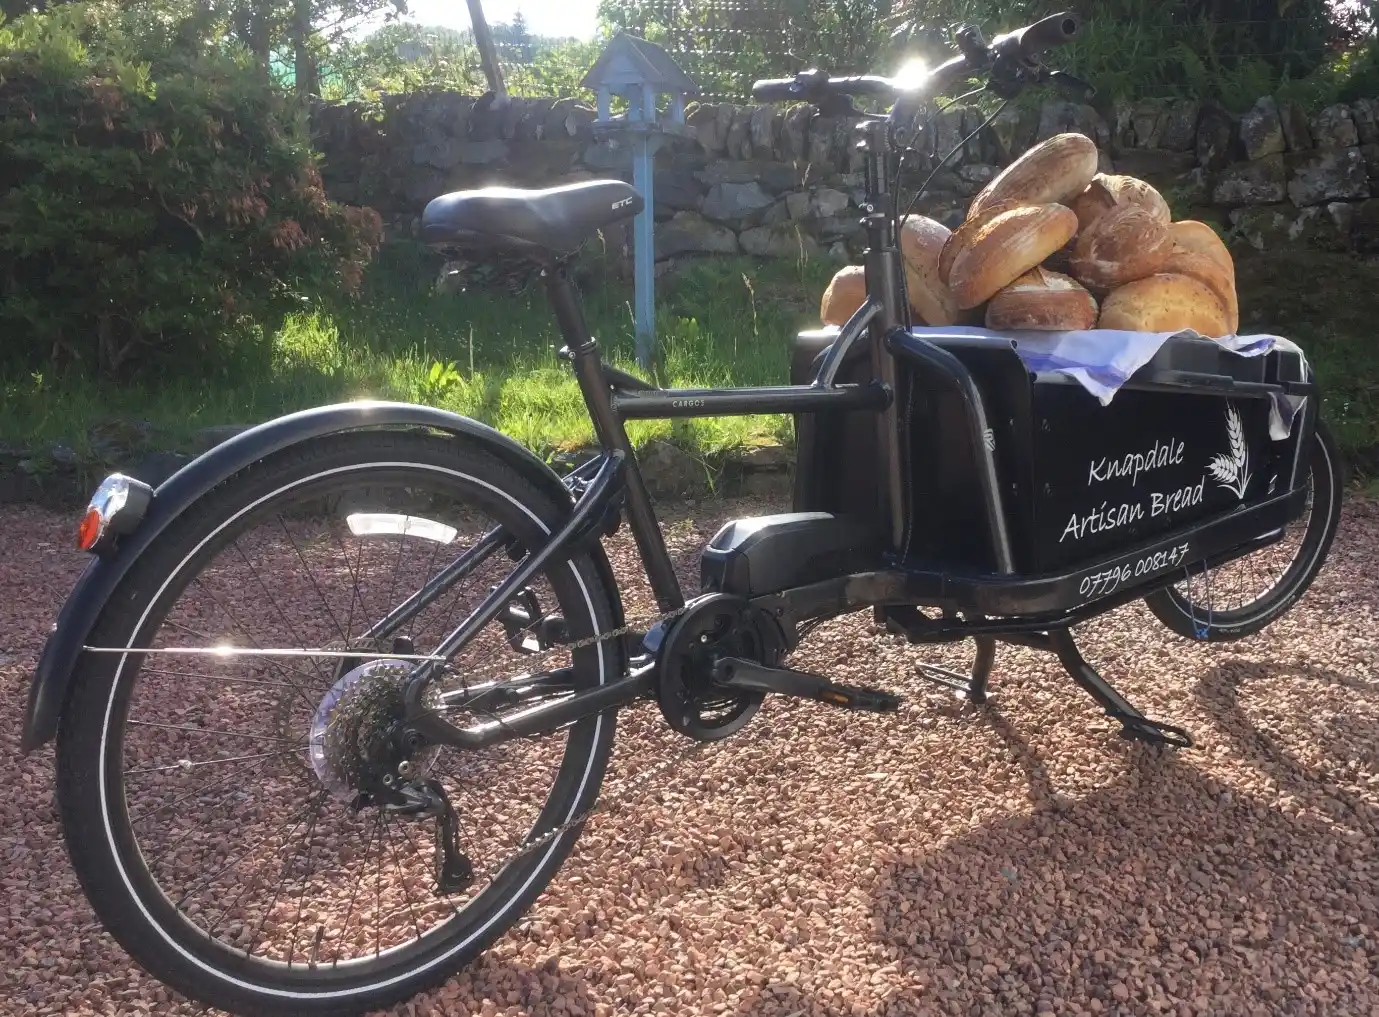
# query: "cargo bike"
[[323, 766]]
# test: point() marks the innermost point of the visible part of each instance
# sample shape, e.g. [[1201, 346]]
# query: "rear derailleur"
[[420, 799], [427, 798]]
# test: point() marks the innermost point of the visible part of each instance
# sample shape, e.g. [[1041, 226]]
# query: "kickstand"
[[972, 688], [1134, 725]]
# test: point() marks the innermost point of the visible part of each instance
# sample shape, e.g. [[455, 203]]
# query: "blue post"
[[639, 71], [644, 250]]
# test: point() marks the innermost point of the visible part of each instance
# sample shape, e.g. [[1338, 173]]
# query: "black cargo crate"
[[1185, 440]]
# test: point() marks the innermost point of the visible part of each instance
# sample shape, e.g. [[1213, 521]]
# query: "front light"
[[117, 507]]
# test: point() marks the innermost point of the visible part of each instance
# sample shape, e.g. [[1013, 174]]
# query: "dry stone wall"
[[781, 181]]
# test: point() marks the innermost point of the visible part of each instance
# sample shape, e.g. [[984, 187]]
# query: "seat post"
[[568, 314]]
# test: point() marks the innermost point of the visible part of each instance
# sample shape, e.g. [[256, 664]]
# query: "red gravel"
[[1017, 860]]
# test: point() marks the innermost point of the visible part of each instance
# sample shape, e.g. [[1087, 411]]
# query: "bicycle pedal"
[[858, 697], [736, 673]]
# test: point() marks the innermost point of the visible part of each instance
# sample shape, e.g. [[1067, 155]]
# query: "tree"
[[294, 33], [488, 53], [519, 38]]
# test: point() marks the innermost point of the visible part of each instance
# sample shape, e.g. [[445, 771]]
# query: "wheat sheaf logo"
[[1232, 468]]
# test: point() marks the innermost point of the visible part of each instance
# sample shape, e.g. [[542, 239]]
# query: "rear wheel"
[[216, 805], [1248, 594]]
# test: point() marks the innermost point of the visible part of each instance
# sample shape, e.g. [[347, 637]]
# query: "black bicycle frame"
[[614, 397], [992, 606]]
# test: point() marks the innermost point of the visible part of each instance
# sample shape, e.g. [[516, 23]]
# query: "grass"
[[722, 322], [484, 354]]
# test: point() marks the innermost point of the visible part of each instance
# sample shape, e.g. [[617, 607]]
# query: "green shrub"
[[145, 215]]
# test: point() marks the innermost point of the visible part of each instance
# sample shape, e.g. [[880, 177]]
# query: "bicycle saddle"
[[554, 220]]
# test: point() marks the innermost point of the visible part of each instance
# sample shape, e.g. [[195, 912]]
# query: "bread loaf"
[[1197, 238], [965, 233], [1055, 171], [1164, 303], [1091, 203], [922, 241], [1007, 247], [1110, 189], [1200, 238], [1122, 245], [1043, 300], [846, 292], [1208, 271]]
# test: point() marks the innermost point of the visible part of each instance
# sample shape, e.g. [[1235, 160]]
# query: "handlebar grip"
[[775, 90], [1055, 30]]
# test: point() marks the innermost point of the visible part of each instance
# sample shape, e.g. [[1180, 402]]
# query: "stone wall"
[[781, 181]]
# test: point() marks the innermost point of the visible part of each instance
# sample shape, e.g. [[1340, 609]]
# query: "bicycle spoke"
[[311, 577], [188, 764]]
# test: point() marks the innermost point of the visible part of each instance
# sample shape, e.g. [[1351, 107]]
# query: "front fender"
[[57, 664]]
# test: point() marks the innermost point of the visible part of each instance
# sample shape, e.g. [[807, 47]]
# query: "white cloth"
[[1102, 360]]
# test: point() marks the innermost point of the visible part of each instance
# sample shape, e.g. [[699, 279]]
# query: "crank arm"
[[541, 719], [736, 673]]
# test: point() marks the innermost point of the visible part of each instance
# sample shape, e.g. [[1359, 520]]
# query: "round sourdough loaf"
[[1107, 190], [1057, 170], [1091, 203], [1043, 300], [1124, 244], [845, 293], [1007, 247], [922, 241], [1200, 238], [1207, 270], [967, 232], [1164, 303]]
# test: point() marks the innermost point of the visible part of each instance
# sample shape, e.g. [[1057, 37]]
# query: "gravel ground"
[[1020, 859]]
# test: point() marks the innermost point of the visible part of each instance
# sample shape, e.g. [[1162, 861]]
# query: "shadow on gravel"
[[1167, 891]]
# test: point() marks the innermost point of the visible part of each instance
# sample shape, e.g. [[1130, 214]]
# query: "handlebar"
[[813, 83], [1034, 40], [1024, 46]]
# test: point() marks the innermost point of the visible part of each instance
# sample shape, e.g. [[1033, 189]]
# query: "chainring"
[[712, 627]]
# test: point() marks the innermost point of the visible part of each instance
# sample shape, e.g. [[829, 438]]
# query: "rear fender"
[[57, 664]]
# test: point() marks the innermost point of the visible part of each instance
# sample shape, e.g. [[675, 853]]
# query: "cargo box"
[[1186, 439]]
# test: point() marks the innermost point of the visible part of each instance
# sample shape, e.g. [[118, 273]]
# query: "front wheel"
[[1250, 593], [222, 791]]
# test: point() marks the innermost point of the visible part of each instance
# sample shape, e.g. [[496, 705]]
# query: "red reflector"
[[89, 531]]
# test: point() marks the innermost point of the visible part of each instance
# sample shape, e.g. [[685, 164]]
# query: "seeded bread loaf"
[[1165, 303]]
